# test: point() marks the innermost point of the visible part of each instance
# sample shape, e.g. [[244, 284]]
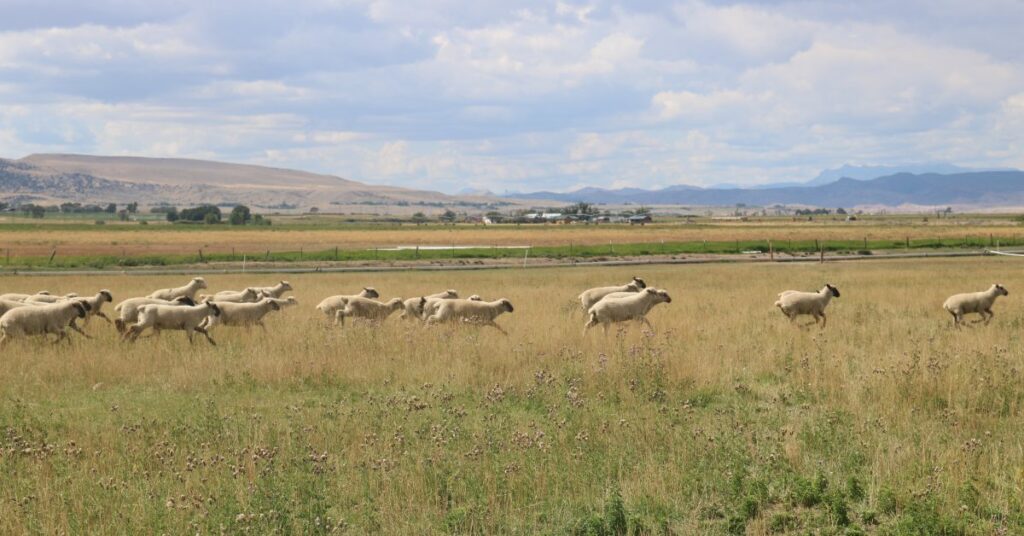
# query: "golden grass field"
[[726, 419], [159, 239]]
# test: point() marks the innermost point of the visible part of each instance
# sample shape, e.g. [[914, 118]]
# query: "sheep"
[[188, 290], [794, 303], [275, 291], [47, 298], [472, 311], [244, 314], [18, 297], [634, 306], [431, 305], [184, 317], [249, 295], [331, 305], [7, 305], [129, 309], [368, 309], [52, 318], [96, 302], [589, 297], [414, 306], [974, 302]]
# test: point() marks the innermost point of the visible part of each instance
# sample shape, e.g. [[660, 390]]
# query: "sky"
[[519, 96]]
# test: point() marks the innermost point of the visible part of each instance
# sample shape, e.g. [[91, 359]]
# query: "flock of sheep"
[[184, 309]]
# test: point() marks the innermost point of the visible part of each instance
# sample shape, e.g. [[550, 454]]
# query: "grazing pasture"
[[725, 419]]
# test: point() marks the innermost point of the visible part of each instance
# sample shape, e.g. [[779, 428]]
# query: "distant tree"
[[841, 211], [211, 218], [200, 213], [111, 208], [419, 218], [314, 210], [448, 216], [240, 215], [644, 210], [172, 214], [260, 220], [36, 211], [122, 214], [133, 207]]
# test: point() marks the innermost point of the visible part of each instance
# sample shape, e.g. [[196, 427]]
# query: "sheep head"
[[199, 282], [475, 297], [213, 308], [639, 282], [185, 300], [286, 285], [450, 293], [832, 289], [370, 292], [658, 295], [107, 295], [395, 303], [1001, 290], [506, 305]]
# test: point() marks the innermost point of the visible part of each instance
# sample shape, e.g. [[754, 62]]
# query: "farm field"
[[725, 420], [87, 245]]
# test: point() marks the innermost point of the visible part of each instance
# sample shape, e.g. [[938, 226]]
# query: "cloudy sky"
[[499, 95]]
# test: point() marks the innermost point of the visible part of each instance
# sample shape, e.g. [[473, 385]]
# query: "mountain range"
[[976, 188]]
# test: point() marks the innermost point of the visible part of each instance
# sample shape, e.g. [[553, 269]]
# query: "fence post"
[[201, 259], [771, 251], [52, 255], [821, 255], [267, 258], [335, 252]]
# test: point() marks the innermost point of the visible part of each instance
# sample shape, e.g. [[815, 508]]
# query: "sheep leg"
[[75, 327], [824, 319], [643, 320], [262, 325], [61, 335], [207, 335], [590, 323], [496, 326], [4, 340], [990, 315], [103, 316]]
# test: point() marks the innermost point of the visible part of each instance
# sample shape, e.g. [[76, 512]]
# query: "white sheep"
[[431, 304], [589, 297], [249, 295], [18, 297], [275, 291], [184, 317], [96, 303], [331, 305], [47, 298], [471, 311], [794, 303], [188, 290], [7, 305], [414, 306], [368, 309], [42, 320], [959, 305], [633, 306], [129, 309], [244, 313]]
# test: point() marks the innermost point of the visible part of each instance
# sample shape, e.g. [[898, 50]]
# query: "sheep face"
[[286, 285], [200, 282], [1001, 290], [213, 308], [106, 294], [275, 306], [833, 290], [639, 282], [659, 295], [371, 292], [507, 305]]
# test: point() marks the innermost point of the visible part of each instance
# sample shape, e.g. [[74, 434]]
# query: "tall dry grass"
[[725, 419]]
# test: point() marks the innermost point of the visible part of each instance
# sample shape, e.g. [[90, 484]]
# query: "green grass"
[[582, 252]]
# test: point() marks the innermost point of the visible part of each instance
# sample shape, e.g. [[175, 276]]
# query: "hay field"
[[28, 240], [726, 420]]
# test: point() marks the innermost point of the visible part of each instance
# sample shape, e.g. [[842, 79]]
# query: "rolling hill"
[[100, 179]]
